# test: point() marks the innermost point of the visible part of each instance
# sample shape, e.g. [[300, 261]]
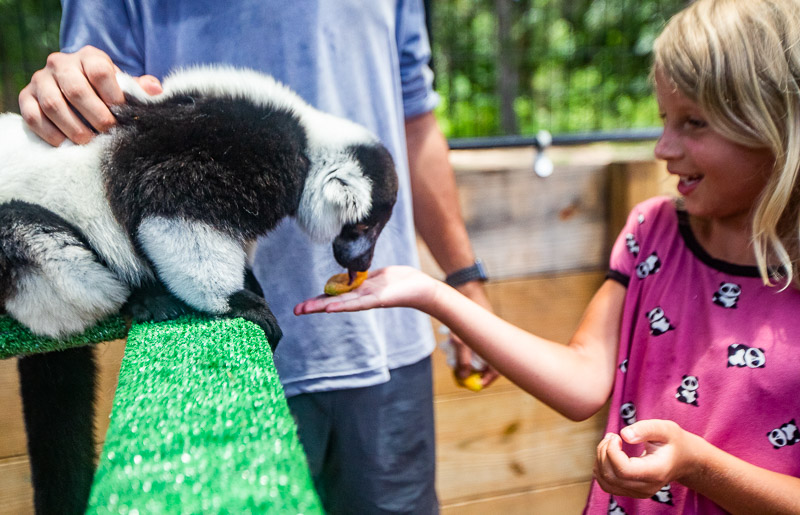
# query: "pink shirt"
[[703, 343]]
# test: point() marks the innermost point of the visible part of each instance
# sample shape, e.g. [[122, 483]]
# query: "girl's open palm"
[[394, 286]]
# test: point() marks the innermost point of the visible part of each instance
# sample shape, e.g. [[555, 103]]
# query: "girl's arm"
[[574, 379], [674, 454]]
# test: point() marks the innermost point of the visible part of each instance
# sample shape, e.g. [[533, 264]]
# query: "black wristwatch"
[[476, 272]]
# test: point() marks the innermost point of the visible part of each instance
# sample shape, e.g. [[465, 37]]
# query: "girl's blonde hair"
[[739, 60]]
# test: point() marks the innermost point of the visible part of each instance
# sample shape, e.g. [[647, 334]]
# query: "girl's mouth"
[[687, 183]]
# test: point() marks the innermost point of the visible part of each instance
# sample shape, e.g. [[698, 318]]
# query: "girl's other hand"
[[665, 458], [394, 286]]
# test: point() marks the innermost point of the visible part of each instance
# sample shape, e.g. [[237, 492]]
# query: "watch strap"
[[475, 272]]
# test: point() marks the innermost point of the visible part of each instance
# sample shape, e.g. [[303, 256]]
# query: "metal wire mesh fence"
[[518, 66]]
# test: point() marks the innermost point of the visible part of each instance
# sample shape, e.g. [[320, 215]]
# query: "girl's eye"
[[695, 123]]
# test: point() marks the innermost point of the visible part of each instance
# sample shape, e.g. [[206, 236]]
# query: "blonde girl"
[[695, 335]]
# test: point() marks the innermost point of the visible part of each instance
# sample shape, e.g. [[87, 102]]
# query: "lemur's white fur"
[[68, 181], [65, 287], [325, 206], [200, 278]]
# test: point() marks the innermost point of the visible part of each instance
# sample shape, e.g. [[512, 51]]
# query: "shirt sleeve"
[[415, 53], [626, 248], [110, 25]]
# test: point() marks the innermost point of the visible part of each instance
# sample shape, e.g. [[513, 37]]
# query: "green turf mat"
[[200, 425], [16, 340]]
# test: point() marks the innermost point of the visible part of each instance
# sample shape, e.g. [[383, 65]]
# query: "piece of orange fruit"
[[340, 283], [472, 382]]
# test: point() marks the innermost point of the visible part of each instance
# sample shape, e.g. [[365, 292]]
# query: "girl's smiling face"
[[718, 178]]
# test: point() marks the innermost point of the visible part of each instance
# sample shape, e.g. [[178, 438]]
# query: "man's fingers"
[[36, 119], [150, 84], [82, 95], [54, 107]]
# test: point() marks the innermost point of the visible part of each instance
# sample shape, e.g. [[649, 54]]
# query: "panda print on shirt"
[[614, 508], [630, 242], [659, 323], [687, 391], [649, 266], [628, 413], [727, 295], [785, 435], [663, 496], [740, 355]]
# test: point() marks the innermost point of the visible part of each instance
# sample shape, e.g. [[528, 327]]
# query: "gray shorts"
[[372, 450]]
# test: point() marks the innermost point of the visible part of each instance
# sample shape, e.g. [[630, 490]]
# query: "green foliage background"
[[566, 65], [502, 66]]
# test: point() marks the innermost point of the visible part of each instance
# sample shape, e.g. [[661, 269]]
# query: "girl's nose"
[[667, 147]]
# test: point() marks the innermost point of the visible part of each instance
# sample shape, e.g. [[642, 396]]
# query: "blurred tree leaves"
[[28, 33], [518, 66]]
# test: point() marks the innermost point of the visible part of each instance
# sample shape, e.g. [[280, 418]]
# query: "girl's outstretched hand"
[[665, 458], [394, 286]]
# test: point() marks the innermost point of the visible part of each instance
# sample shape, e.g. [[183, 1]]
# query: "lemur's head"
[[350, 190]]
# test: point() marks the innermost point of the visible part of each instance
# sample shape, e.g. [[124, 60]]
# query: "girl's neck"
[[729, 240]]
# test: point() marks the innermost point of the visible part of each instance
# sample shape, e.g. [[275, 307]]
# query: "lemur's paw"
[[251, 307], [154, 303]]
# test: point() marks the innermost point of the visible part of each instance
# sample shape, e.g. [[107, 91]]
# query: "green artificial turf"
[[200, 425], [199, 422], [16, 340]]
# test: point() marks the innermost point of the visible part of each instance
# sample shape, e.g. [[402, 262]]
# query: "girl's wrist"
[[694, 465]]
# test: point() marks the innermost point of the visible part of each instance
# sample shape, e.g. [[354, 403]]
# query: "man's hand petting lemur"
[[72, 90]]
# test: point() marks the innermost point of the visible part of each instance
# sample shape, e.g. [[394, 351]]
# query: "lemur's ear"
[[348, 192], [333, 198]]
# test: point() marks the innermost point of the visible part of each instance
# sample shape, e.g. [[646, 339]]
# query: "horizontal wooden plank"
[[16, 494], [521, 224], [550, 306], [500, 442], [560, 500]]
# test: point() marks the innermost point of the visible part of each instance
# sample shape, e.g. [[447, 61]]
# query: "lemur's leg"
[[50, 279], [52, 282], [205, 267], [58, 403]]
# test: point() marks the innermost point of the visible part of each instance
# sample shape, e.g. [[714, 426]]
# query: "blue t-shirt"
[[365, 60]]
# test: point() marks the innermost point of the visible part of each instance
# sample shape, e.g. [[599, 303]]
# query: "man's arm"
[[437, 214]]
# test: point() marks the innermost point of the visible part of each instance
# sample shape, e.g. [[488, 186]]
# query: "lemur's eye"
[[362, 227]]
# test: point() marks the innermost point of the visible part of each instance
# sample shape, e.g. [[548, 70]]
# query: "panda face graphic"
[[687, 391], [727, 295], [689, 383], [614, 508], [740, 355], [649, 266], [630, 242], [659, 323], [628, 413], [664, 496], [784, 435]]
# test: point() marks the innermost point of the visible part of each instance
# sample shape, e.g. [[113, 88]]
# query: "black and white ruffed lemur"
[[160, 214]]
